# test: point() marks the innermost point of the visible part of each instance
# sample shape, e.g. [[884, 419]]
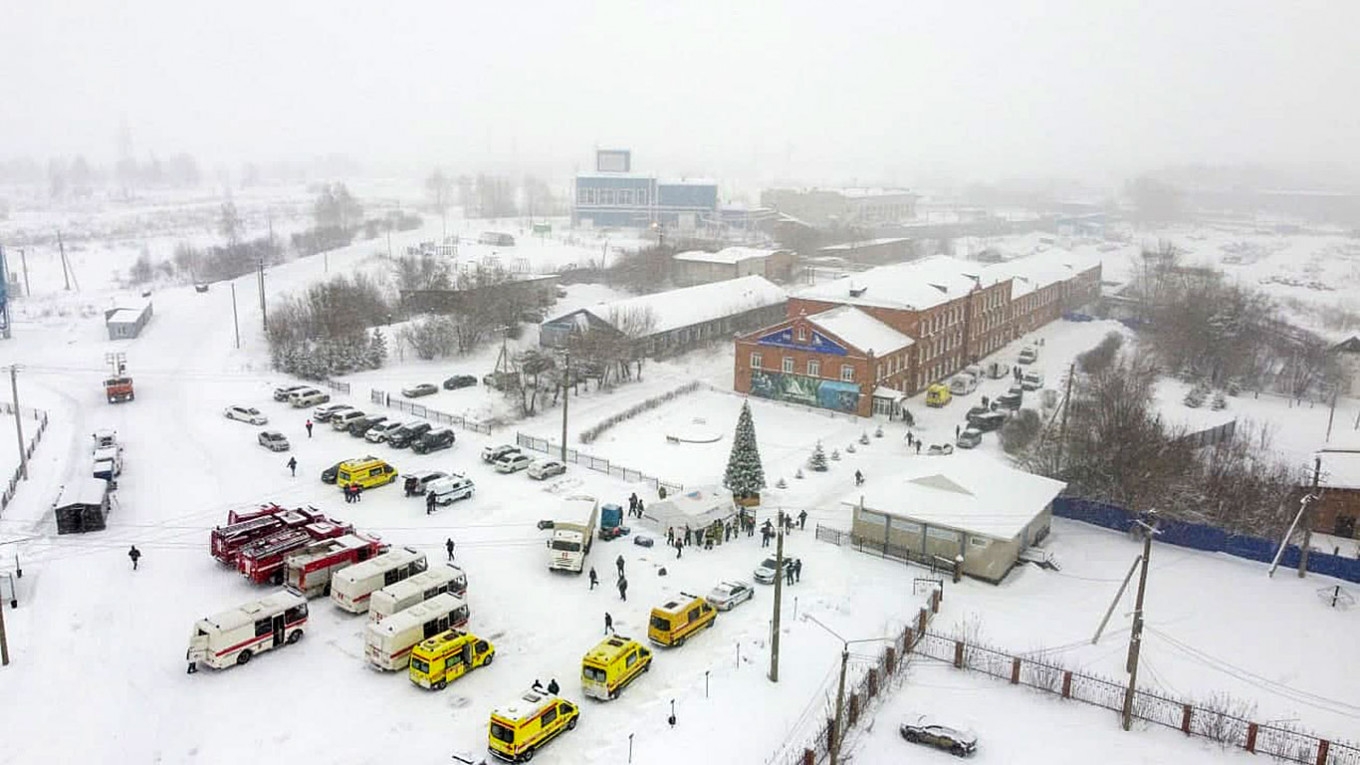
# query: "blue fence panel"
[[1095, 513], [1192, 535]]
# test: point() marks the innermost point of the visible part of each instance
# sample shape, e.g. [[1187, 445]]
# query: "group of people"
[[767, 530], [793, 571], [621, 583], [552, 688], [353, 492], [635, 506]]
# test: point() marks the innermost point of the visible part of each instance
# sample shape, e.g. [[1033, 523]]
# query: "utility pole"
[[566, 395], [23, 260], [778, 595], [837, 734], [1067, 407], [235, 320], [1136, 636], [1330, 417], [1308, 521], [66, 274], [18, 420], [4, 641], [264, 316]]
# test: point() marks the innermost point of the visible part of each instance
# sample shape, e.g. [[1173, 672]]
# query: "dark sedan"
[[403, 437], [956, 742], [328, 475], [460, 381]]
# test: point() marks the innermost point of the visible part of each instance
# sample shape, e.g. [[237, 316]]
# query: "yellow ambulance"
[[611, 665], [440, 660], [367, 473], [523, 726], [938, 395], [671, 624]]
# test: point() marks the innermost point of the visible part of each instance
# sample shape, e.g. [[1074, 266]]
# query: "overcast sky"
[[823, 91]]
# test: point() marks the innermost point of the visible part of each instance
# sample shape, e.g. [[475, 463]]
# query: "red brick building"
[[955, 312], [1337, 511]]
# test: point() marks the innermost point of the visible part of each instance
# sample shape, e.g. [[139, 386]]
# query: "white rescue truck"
[[351, 588], [234, 636], [388, 643]]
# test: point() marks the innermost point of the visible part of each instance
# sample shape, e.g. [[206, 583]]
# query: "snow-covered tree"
[[377, 350], [745, 475], [818, 459]]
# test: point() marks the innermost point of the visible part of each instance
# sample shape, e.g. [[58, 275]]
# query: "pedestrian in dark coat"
[[788, 572], [632, 506], [309, 428], [537, 685], [918, 447], [358, 493], [553, 687], [292, 465], [678, 549], [623, 588], [909, 439], [135, 555], [608, 623], [687, 534], [798, 570], [619, 564], [640, 508], [345, 490], [429, 502], [802, 519], [594, 580], [448, 545]]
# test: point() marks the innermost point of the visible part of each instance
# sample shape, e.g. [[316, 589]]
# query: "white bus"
[[417, 589], [388, 643], [351, 587], [232, 637]]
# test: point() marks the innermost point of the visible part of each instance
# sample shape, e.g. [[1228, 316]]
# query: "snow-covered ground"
[[97, 649]]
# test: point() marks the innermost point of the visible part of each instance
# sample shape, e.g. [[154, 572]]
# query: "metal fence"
[[886, 551], [598, 464], [383, 398], [13, 485], [341, 387], [1218, 723]]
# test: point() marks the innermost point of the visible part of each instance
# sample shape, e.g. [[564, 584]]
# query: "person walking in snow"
[[135, 555], [632, 505], [688, 535], [798, 570], [448, 545], [619, 564], [802, 519], [910, 438], [788, 572], [429, 502], [859, 478], [309, 428], [553, 687], [608, 623], [640, 507], [594, 580], [918, 446], [679, 548], [670, 535], [292, 465], [956, 431], [623, 588]]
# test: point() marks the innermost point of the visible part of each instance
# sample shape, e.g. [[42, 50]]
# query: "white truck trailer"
[[573, 530]]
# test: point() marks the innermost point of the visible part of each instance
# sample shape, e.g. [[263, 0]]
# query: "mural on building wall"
[[808, 391], [819, 343]]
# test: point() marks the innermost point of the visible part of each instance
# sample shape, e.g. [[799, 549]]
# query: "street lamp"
[[837, 735]]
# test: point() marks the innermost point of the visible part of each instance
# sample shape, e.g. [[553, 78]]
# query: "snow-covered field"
[[98, 649]]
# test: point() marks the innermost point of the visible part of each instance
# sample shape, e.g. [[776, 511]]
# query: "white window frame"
[[847, 373], [814, 368], [786, 365], [756, 360]]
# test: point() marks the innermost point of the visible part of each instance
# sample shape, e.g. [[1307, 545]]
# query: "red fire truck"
[[309, 570], [247, 526], [262, 561]]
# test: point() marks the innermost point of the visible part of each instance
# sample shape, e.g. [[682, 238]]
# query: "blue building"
[[613, 196]]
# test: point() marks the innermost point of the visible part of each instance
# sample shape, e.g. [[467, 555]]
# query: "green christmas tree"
[[818, 460], [745, 475]]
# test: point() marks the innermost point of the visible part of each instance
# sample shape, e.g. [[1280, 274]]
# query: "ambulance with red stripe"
[[233, 637], [388, 643], [352, 587]]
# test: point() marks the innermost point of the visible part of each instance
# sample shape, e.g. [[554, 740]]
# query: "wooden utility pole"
[[4, 641], [264, 316], [837, 734], [23, 261], [18, 420], [65, 273], [1136, 636], [1067, 407], [778, 594], [1307, 521], [235, 319], [1330, 417], [566, 395]]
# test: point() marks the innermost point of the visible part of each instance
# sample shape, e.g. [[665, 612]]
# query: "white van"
[[451, 489], [1032, 380], [352, 587], [418, 589], [388, 643], [963, 384], [233, 637]]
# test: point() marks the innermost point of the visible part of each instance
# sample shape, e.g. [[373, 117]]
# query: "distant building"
[[1337, 510], [1347, 353], [880, 251], [528, 290], [970, 506], [127, 323], [613, 196], [699, 267], [671, 322], [855, 207]]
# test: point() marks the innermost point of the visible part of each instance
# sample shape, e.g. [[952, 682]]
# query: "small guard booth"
[[83, 506]]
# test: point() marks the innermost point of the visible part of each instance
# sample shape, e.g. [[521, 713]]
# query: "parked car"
[[274, 441], [282, 393], [360, 427], [969, 438], [987, 421], [1029, 354], [975, 411], [301, 399], [493, 453], [1032, 380], [546, 469], [343, 419], [951, 740], [406, 434], [460, 381], [766, 571], [328, 475], [433, 441], [729, 594], [963, 384], [245, 414], [937, 450], [423, 389], [416, 484], [1011, 399], [451, 489], [512, 463], [380, 433], [325, 413]]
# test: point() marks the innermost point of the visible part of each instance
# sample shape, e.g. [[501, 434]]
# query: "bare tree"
[[229, 224], [439, 187]]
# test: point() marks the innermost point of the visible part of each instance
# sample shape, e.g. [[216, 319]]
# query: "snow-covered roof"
[[124, 316], [694, 305], [86, 490], [860, 192], [1040, 270], [695, 507], [687, 182], [727, 255], [861, 330], [972, 493], [248, 613], [1340, 467], [914, 286], [863, 243]]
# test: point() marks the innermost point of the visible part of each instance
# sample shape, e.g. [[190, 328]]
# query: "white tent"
[[696, 508]]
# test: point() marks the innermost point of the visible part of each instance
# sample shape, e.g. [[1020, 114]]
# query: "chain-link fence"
[[598, 464]]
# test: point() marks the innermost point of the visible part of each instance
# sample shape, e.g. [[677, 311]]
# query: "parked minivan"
[[301, 399], [1032, 380], [367, 473], [672, 624], [448, 490], [404, 435]]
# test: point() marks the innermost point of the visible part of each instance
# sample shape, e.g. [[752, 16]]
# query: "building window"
[[814, 368], [788, 365], [625, 196], [872, 518], [606, 196], [879, 371], [978, 541], [755, 361], [847, 373], [802, 334]]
